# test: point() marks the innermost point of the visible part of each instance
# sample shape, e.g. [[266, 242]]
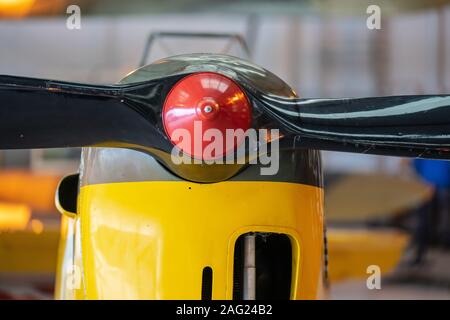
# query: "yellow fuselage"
[[151, 240]]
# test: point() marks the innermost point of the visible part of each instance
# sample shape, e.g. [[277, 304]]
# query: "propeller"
[[411, 126], [37, 113]]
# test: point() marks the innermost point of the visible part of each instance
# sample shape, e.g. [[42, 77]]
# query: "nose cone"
[[205, 105]]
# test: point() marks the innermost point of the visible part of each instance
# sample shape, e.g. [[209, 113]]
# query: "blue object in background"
[[435, 172]]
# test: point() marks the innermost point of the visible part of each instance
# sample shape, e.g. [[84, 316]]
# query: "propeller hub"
[[203, 101], [208, 108]]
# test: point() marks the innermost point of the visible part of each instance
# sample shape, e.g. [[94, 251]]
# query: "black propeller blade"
[[37, 113], [414, 126]]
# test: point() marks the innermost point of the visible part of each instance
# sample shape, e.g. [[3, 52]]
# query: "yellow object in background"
[[36, 190], [352, 251], [15, 8], [18, 9], [14, 216], [27, 243], [363, 197], [29, 252]]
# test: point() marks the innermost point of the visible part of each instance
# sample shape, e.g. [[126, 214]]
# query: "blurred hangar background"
[[379, 210]]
